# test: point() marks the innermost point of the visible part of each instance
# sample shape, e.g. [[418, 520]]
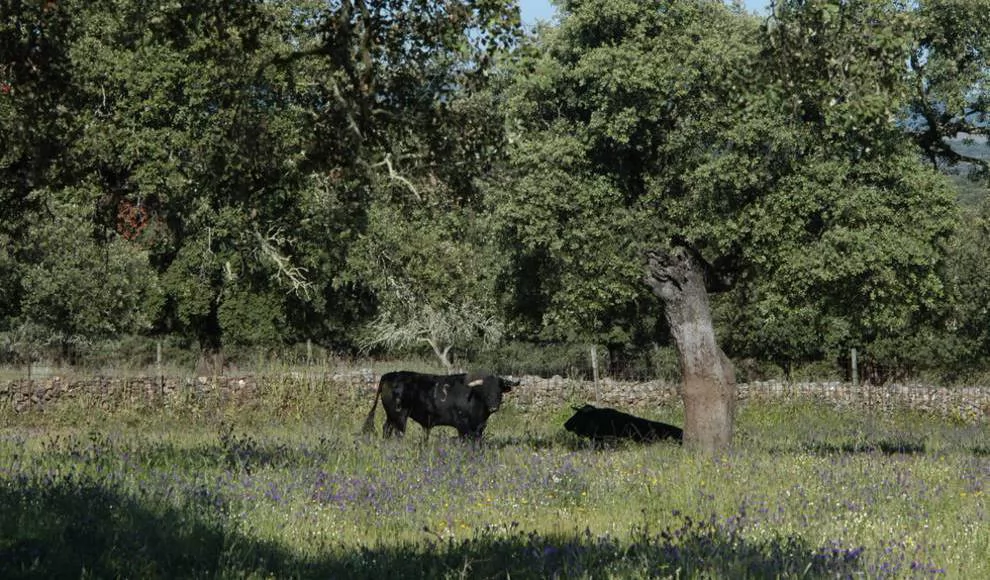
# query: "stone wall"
[[969, 403]]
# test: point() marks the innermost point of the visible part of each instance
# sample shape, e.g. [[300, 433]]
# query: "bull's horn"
[[476, 383]]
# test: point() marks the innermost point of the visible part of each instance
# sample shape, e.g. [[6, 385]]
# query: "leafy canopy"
[[766, 148]]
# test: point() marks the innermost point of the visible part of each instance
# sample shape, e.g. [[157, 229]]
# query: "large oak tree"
[[682, 147]]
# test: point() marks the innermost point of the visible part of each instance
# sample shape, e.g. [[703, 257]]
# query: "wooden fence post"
[[158, 369], [594, 372], [854, 364]]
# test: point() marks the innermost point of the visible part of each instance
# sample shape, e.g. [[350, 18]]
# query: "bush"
[[526, 358]]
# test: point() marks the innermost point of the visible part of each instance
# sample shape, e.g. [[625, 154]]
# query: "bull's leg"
[[390, 428], [473, 435], [395, 424], [393, 428]]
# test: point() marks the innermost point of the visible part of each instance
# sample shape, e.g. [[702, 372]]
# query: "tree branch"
[[396, 176], [294, 275]]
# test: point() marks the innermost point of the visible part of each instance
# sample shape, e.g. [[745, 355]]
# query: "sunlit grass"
[[286, 487]]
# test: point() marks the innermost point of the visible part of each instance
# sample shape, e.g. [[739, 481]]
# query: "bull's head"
[[582, 422], [491, 388]]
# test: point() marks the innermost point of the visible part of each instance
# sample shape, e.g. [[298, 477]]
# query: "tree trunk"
[[443, 355], [678, 278]]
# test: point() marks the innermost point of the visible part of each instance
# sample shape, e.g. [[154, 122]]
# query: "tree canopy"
[[642, 124], [383, 174], [765, 160]]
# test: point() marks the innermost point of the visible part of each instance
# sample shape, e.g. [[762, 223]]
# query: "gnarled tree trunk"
[[678, 278]]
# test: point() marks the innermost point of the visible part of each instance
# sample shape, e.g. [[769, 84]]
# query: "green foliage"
[[9, 279], [773, 151], [835, 67], [966, 336], [853, 267], [189, 283], [242, 143], [189, 124], [78, 289], [949, 69], [35, 122], [250, 318], [349, 172], [545, 360], [848, 244], [573, 361], [602, 158], [432, 273]]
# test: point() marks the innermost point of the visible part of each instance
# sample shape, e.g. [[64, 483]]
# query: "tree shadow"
[[74, 527], [696, 549], [570, 442], [886, 447], [230, 451], [534, 441], [240, 454]]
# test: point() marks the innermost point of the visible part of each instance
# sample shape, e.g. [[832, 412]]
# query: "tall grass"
[[284, 487]]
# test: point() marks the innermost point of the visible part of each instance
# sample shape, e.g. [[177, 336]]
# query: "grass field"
[[284, 487]]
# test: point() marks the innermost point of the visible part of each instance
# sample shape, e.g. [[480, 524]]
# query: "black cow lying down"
[[608, 424], [462, 401]]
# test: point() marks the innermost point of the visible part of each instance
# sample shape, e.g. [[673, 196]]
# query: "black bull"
[[605, 424], [461, 401]]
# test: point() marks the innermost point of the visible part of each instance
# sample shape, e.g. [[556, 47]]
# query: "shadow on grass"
[[704, 549], [243, 454], [79, 528], [892, 447], [570, 442], [76, 528], [229, 451]]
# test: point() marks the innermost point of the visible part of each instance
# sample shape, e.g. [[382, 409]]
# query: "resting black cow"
[[604, 424], [461, 401]]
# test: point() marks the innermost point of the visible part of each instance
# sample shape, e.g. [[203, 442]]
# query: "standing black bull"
[[604, 424], [461, 401]]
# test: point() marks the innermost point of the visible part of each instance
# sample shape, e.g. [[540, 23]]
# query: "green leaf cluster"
[[390, 173], [244, 150], [771, 147]]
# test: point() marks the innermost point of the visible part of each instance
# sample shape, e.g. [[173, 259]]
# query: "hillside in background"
[[972, 189]]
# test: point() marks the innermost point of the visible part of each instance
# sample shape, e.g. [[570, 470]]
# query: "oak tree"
[[688, 148]]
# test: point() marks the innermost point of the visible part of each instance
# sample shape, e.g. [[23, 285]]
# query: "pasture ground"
[[284, 487]]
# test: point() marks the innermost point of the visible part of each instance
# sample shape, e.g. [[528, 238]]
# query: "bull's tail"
[[369, 422]]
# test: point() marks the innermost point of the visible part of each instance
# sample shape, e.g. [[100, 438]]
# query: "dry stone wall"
[[969, 403]]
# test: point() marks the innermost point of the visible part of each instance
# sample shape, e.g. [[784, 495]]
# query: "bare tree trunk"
[[443, 355], [678, 278]]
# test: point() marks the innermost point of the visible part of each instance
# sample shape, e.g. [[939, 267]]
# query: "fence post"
[[854, 364], [158, 368], [594, 373]]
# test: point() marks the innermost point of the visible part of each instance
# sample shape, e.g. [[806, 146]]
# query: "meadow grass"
[[285, 487]]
